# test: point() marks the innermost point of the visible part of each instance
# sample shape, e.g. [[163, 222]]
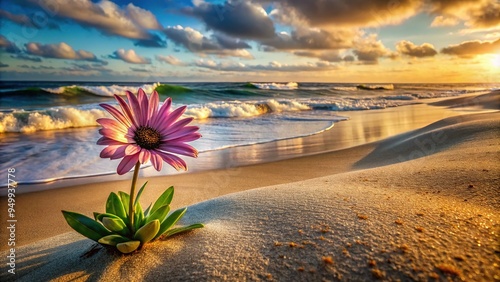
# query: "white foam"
[[277, 86], [243, 109], [59, 118]]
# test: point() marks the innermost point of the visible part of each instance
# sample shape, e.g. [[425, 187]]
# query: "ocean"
[[48, 130]]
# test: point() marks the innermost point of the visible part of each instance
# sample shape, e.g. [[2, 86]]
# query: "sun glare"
[[495, 61]]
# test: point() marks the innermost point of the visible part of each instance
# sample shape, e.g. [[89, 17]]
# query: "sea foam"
[[277, 86], [59, 118], [244, 109]]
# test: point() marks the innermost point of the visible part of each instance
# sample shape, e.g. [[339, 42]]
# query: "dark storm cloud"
[[196, 42], [241, 19]]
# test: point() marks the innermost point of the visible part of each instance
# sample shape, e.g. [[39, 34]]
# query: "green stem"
[[131, 207]]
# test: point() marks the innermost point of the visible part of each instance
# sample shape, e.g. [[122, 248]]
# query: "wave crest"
[[376, 87], [276, 86], [26, 122], [106, 91], [244, 109]]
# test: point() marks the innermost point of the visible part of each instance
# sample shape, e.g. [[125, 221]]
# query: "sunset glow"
[[254, 40]]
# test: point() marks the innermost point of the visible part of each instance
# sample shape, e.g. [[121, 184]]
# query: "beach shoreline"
[[234, 169], [446, 161]]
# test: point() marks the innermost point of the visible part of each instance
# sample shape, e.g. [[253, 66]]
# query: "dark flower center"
[[147, 137]]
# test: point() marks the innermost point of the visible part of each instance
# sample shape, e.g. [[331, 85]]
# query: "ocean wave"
[[244, 109], [276, 86], [83, 116], [401, 97], [375, 87], [51, 119], [103, 90], [345, 88]]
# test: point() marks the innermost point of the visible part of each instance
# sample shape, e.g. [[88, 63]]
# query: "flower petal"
[[136, 108], [117, 114], [179, 132], [132, 149], [144, 156], [156, 160], [168, 119], [126, 110], [164, 110], [112, 134], [127, 163], [176, 126], [107, 141], [143, 101], [172, 160], [120, 153], [153, 105], [112, 124], [109, 151], [180, 148], [183, 138]]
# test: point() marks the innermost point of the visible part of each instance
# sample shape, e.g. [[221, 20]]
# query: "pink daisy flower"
[[143, 132]]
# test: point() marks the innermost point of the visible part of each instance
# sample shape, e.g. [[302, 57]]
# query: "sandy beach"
[[407, 193]]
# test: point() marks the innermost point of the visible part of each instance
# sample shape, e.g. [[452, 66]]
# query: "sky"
[[396, 41]]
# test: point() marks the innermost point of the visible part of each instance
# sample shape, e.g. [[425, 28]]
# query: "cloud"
[[311, 38], [88, 67], [37, 67], [241, 19], [8, 46], [409, 49], [25, 57], [272, 66], [368, 50], [196, 42], [469, 49], [155, 41], [329, 56], [130, 22], [171, 60], [230, 42], [37, 20], [444, 21], [139, 70], [129, 56], [475, 13], [59, 51], [353, 13]]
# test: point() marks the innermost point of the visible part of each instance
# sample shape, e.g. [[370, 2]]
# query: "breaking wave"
[[375, 87], [276, 86], [51, 119]]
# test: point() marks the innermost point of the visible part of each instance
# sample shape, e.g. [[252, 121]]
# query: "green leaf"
[[146, 212], [164, 200], [125, 199], [148, 231], [96, 214], [102, 215], [183, 229], [159, 214], [115, 206], [113, 239], [116, 225], [85, 225], [140, 193], [138, 216], [128, 247], [171, 220]]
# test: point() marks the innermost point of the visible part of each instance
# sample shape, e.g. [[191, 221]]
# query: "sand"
[[416, 206]]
